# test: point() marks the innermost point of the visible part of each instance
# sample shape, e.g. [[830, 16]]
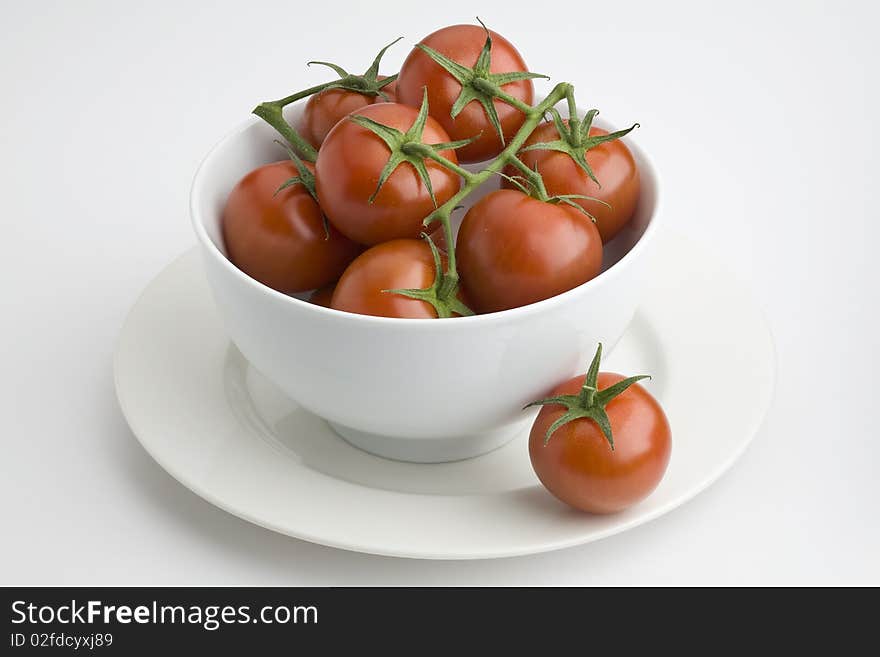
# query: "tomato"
[[462, 44], [514, 250], [279, 238], [394, 265], [613, 165], [327, 108], [577, 463], [349, 164], [323, 295]]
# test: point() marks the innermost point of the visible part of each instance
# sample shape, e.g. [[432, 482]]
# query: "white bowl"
[[415, 390]]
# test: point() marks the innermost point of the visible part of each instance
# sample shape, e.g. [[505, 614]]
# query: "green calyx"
[[407, 147], [368, 83], [571, 200], [443, 292], [531, 183], [305, 178], [479, 84], [589, 403], [575, 140]]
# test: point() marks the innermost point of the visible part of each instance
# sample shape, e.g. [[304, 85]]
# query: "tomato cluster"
[[387, 155]]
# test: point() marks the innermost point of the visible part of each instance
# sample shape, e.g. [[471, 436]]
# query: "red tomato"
[[322, 296], [514, 250], [349, 164], [578, 465], [398, 264], [279, 238], [463, 43], [614, 168], [325, 109]]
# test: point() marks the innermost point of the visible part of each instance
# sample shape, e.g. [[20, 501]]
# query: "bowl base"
[[429, 450]]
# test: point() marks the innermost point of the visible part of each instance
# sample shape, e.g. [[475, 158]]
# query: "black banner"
[[250, 621]]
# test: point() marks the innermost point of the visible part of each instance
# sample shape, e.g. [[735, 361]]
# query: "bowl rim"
[[604, 278]]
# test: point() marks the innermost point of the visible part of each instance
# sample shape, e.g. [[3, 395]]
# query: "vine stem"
[[534, 114], [299, 95], [572, 107], [500, 94], [271, 113], [418, 149], [534, 178]]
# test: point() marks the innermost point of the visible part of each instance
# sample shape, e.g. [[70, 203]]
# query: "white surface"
[[382, 381], [761, 117], [226, 432]]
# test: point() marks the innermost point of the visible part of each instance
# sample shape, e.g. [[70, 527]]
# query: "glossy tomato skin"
[[349, 164], [324, 110], [279, 238], [463, 43], [327, 108], [578, 465], [514, 250], [397, 264], [611, 162]]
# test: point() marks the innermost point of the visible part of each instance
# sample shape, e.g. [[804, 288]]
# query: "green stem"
[[474, 180], [271, 113], [588, 394], [507, 156], [451, 270], [434, 155], [573, 119], [535, 179], [500, 94], [443, 215], [299, 95]]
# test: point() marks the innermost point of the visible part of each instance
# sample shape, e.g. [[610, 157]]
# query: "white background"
[[762, 118]]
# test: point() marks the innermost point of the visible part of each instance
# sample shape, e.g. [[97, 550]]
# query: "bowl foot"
[[429, 450]]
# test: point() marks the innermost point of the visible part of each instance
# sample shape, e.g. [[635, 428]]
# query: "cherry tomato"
[[323, 295], [514, 250], [397, 264], [349, 164], [614, 168], [578, 465], [278, 238], [462, 44], [325, 109]]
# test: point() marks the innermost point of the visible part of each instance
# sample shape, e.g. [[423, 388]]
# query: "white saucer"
[[229, 435]]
